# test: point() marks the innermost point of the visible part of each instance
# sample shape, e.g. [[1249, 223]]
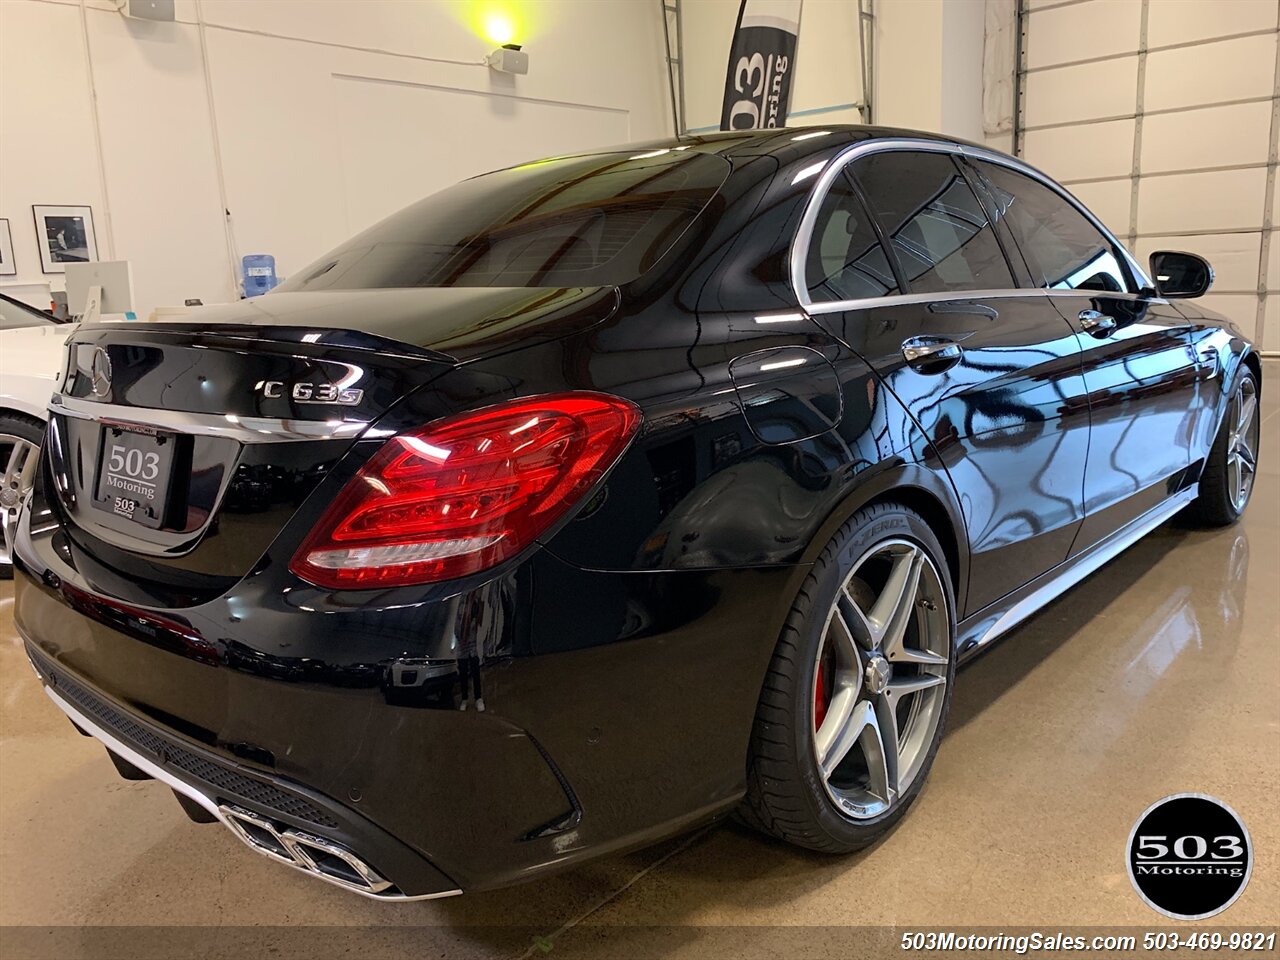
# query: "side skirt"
[[998, 619]]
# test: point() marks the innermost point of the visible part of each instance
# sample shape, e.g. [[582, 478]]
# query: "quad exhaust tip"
[[304, 851]]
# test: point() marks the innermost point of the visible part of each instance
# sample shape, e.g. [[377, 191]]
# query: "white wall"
[[962, 42], [928, 65], [328, 116], [1196, 117], [908, 63]]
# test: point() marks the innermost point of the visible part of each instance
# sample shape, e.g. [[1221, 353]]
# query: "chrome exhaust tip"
[[303, 851]]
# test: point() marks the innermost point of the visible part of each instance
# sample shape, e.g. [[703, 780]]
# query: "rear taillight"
[[467, 492]]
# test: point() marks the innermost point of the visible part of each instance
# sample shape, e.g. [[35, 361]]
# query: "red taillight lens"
[[465, 493]]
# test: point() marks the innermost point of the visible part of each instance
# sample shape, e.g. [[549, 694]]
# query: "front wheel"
[[1227, 481], [857, 693]]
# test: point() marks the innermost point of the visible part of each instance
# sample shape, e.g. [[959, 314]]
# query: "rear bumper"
[[312, 834], [617, 708]]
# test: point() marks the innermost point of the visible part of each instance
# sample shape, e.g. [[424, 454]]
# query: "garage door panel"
[[1085, 92], [1096, 28], [1234, 256], [1215, 202], [1214, 137], [1183, 21], [1079, 153], [1241, 308], [1212, 73], [1206, 130], [1109, 202]]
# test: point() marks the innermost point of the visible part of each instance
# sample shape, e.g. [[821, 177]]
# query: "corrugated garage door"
[[1163, 116]]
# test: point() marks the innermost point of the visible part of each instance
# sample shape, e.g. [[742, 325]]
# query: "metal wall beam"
[[866, 57], [1268, 200], [673, 32], [1019, 74], [1135, 172]]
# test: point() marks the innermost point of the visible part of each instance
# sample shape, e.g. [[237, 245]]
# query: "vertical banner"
[[762, 60]]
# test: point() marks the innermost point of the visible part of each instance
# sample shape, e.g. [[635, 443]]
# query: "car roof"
[[787, 144], [790, 142]]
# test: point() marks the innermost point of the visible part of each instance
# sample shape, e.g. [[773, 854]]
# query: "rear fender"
[[915, 486]]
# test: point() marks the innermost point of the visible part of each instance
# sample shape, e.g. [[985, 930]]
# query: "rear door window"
[[940, 233], [845, 258], [1063, 249]]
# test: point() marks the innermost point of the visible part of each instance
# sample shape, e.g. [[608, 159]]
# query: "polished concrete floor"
[[1157, 675]]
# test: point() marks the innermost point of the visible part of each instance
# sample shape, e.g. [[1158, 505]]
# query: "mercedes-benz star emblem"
[[100, 373], [878, 673]]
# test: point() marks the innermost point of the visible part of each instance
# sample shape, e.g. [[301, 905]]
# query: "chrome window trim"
[[952, 296], [867, 303], [240, 429], [804, 233]]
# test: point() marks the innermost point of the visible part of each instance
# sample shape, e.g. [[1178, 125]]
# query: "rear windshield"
[[581, 221]]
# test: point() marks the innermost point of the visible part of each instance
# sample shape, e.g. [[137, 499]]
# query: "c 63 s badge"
[[1189, 856], [311, 392]]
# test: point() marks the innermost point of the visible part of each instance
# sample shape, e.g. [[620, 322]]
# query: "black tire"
[[786, 796], [1215, 506], [26, 428]]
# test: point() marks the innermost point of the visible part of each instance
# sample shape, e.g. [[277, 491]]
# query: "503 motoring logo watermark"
[[1189, 856]]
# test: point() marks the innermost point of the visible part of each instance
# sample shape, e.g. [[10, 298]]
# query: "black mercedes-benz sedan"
[[598, 497]]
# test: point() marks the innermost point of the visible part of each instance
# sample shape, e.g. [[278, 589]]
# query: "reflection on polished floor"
[[1159, 674]]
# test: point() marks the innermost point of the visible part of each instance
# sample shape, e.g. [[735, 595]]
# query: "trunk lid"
[[178, 451]]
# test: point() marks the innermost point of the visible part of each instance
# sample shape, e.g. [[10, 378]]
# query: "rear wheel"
[[20, 439], [1227, 481], [857, 694]]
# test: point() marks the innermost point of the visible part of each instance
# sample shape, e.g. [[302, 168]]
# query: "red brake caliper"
[[820, 694]]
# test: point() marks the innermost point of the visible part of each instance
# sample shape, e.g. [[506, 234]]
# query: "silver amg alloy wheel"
[[880, 678], [20, 457], [1242, 442]]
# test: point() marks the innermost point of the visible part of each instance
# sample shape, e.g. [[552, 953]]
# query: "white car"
[[30, 366]]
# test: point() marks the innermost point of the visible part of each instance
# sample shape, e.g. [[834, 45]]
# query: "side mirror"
[[1180, 275]]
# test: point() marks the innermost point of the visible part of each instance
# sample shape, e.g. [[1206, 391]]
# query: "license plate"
[[135, 470]]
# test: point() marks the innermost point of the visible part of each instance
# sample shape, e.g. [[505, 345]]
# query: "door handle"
[[931, 354], [1097, 324]]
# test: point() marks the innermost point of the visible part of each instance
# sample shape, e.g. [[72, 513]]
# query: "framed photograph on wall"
[[7, 267], [65, 235]]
